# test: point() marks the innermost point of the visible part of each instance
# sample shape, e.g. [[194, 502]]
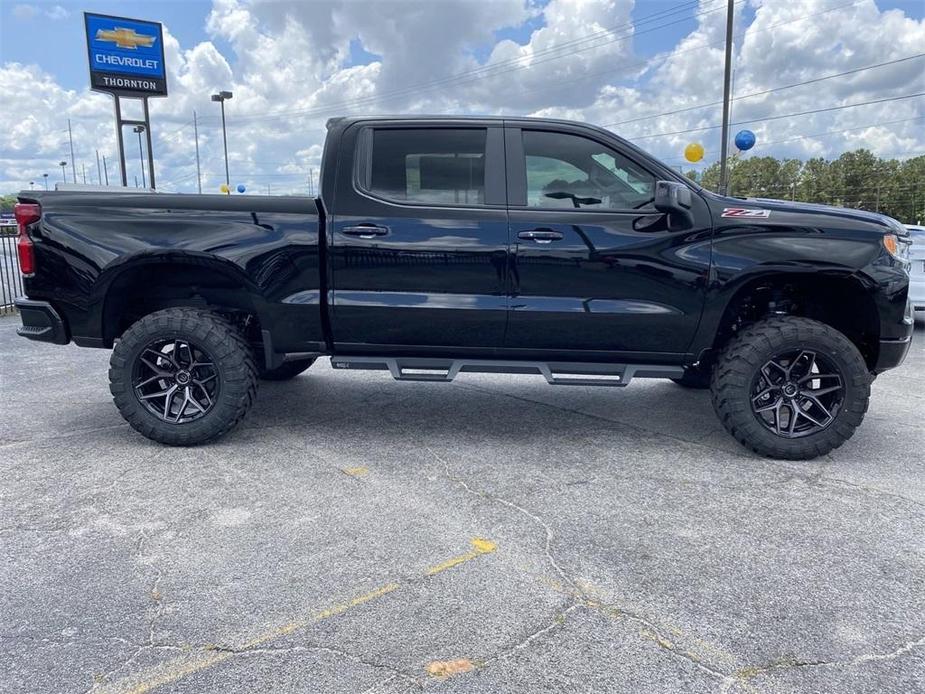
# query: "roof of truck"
[[453, 117]]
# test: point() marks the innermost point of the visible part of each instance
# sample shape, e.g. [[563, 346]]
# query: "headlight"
[[896, 246]]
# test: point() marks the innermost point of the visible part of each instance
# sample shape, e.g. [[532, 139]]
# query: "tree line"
[[856, 179]]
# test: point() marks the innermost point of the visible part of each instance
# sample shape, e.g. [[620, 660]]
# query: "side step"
[[555, 373]]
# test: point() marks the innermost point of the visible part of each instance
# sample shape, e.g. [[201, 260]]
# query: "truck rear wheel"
[[182, 376], [791, 388], [286, 370]]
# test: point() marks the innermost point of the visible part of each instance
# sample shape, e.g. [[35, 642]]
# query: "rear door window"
[[429, 166]]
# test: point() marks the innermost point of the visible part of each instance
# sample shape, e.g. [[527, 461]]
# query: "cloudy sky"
[[651, 70]]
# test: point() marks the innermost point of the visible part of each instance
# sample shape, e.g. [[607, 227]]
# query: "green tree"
[[856, 179]]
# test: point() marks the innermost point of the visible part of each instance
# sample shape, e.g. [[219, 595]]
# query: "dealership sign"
[[126, 56]]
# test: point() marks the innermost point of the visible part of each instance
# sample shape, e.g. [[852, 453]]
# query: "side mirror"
[[674, 199]]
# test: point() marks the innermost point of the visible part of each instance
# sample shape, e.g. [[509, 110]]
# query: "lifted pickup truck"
[[443, 245]]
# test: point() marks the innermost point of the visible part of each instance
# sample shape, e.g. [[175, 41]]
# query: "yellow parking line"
[[200, 659], [479, 546]]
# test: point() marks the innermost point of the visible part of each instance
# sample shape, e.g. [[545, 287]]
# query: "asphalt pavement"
[[497, 534]]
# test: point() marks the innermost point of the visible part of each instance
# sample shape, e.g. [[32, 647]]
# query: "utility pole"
[[222, 97], [196, 135], [70, 136], [136, 178], [99, 171], [105, 170], [83, 168], [727, 89], [311, 182]]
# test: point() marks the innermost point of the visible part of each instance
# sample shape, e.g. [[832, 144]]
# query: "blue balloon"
[[241, 187], [745, 140]]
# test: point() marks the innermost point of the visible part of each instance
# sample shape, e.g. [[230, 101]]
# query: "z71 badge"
[[744, 212]]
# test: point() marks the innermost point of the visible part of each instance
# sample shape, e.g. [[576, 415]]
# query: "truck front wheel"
[[182, 376], [790, 388]]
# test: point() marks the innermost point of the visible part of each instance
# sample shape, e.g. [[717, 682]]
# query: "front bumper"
[[40, 322], [893, 350]]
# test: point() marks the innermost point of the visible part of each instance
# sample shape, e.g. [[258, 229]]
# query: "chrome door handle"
[[541, 235], [365, 231]]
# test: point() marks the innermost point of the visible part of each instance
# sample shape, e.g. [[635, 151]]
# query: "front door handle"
[[365, 231], [541, 235]]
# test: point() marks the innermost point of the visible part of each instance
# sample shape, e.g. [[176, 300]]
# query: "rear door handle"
[[365, 231], [541, 235]]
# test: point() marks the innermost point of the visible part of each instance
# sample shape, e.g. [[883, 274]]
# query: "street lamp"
[[141, 157], [31, 185], [45, 176], [62, 164], [221, 97]]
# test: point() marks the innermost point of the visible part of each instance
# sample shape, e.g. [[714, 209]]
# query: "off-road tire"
[[738, 366], [233, 361], [286, 370], [694, 378]]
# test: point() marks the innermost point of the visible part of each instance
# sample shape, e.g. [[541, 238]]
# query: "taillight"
[[26, 213]]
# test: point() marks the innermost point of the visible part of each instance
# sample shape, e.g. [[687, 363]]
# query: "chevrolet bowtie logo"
[[125, 38]]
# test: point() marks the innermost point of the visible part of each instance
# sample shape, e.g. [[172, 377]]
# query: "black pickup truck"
[[442, 245]]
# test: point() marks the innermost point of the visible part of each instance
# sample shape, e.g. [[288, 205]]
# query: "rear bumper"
[[40, 322]]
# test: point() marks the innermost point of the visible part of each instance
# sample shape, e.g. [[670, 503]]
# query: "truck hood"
[[890, 225]]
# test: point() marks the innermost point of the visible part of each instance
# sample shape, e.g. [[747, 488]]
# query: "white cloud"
[[57, 12], [25, 11], [287, 70]]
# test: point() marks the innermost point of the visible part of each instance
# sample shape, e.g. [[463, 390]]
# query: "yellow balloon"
[[224, 187], [693, 152]]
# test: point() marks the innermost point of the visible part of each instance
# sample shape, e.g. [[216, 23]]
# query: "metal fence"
[[10, 279]]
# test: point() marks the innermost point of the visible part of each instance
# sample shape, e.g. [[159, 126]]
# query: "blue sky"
[[292, 64], [62, 40]]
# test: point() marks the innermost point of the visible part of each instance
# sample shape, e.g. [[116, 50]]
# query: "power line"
[[463, 77], [766, 91], [780, 116], [338, 107]]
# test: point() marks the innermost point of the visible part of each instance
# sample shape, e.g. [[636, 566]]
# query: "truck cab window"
[[569, 171], [435, 166]]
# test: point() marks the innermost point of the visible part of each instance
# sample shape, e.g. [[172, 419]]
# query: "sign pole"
[[120, 141], [150, 146]]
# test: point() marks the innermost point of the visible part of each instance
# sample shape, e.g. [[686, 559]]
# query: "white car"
[[917, 275]]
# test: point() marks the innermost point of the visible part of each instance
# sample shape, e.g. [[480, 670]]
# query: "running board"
[[555, 373]]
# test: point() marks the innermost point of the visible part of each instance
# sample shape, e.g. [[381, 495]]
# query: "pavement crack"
[[745, 674], [549, 535], [558, 621], [394, 672], [815, 479]]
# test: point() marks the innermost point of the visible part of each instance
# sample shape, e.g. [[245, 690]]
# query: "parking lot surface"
[[497, 534]]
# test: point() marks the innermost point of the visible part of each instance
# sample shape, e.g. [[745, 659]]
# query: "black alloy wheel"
[[176, 380], [797, 393]]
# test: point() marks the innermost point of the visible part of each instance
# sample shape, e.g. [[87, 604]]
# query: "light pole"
[[141, 157], [221, 97], [63, 175], [45, 176], [31, 185]]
